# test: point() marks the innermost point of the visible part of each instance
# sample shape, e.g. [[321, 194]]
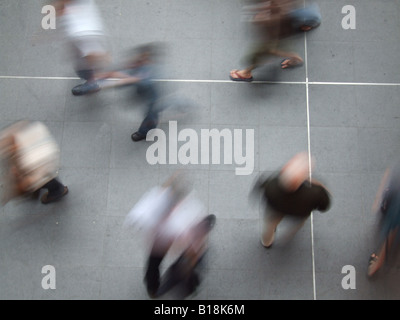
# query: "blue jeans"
[[308, 16]]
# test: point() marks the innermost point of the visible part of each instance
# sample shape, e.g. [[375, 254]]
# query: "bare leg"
[[271, 219], [376, 260]]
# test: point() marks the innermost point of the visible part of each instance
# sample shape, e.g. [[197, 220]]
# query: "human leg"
[[147, 90], [91, 57], [271, 219], [252, 60], [376, 261], [183, 273], [150, 122], [152, 276]]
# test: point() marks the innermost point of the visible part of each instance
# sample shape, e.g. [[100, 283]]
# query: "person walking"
[[387, 203], [275, 30], [31, 158], [83, 29], [290, 193], [173, 220]]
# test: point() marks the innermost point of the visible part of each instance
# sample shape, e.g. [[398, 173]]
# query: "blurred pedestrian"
[[82, 26], [305, 18], [31, 158], [140, 71], [174, 220], [277, 21], [291, 193], [387, 202]]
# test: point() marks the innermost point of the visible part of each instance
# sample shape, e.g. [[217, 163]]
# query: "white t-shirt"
[[150, 215], [82, 18]]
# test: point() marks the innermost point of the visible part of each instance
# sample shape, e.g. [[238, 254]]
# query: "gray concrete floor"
[[342, 106]]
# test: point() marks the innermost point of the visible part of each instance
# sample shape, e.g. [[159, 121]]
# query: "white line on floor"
[[309, 162], [227, 81], [38, 78], [354, 83]]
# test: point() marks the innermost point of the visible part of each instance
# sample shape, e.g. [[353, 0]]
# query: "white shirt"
[[150, 215], [82, 18]]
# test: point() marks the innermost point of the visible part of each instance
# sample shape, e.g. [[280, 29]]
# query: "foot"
[[373, 265], [152, 283], [240, 75], [305, 28], [48, 199], [138, 136], [152, 289], [308, 28], [209, 222], [291, 63], [269, 243], [85, 88]]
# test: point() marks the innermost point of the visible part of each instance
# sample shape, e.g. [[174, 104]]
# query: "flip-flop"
[[309, 26], [240, 78], [289, 66]]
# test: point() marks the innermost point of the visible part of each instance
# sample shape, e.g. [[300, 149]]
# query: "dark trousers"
[[182, 275], [178, 276], [148, 91], [152, 276], [150, 122]]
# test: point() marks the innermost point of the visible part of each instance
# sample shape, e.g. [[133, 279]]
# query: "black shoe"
[[85, 88], [209, 221], [137, 136], [48, 199], [152, 285]]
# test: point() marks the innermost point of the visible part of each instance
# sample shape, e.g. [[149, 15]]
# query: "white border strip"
[[38, 78], [354, 84]]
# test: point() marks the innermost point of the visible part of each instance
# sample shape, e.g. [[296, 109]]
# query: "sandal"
[[238, 77], [307, 27], [46, 199]]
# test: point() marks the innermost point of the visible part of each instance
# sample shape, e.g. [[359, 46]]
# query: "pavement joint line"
[[388, 84], [310, 163]]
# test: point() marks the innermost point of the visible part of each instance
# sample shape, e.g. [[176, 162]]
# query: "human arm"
[[115, 79]]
